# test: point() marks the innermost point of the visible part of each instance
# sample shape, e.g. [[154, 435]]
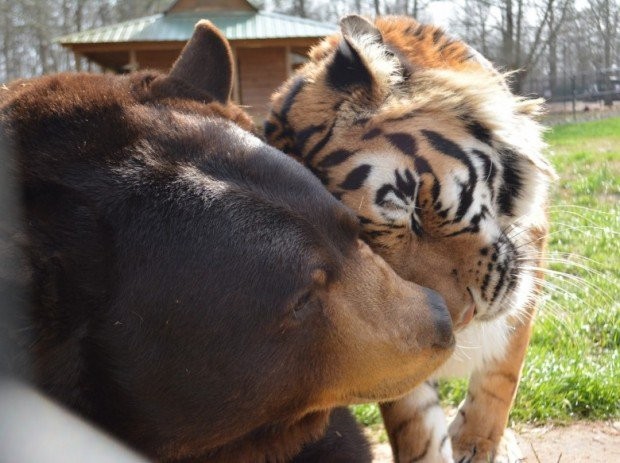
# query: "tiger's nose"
[[442, 322]]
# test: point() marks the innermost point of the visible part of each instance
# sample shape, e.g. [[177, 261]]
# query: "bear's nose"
[[444, 335]]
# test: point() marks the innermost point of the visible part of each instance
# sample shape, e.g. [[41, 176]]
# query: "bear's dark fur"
[[343, 442], [195, 292]]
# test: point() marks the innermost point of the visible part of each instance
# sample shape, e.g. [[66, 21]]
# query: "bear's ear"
[[206, 62], [361, 59]]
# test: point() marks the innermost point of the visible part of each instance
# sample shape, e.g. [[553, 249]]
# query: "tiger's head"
[[422, 138]]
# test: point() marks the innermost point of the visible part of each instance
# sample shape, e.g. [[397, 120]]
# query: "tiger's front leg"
[[417, 427], [478, 432]]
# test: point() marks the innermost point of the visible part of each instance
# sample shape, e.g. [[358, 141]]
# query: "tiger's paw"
[[426, 441], [440, 452], [472, 449], [417, 427]]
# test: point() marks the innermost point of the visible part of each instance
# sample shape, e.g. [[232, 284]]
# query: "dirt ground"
[[591, 442]]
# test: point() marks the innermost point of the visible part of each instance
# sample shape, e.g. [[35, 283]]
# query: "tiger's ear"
[[356, 26], [361, 59], [206, 62], [348, 68]]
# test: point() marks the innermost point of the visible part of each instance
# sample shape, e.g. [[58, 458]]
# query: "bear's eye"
[[307, 303]]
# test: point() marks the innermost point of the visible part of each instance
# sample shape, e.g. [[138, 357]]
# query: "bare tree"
[[28, 27], [474, 24], [513, 33], [605, 17], [299, 8]]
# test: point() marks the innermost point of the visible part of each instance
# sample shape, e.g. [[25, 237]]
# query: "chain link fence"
[[578, 97]]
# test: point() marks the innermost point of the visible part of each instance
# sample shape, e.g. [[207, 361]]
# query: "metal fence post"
[[574, 96]]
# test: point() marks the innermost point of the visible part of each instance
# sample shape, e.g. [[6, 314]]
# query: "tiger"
[[421, 136]]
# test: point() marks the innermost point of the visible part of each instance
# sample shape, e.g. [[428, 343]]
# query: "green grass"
[[572, 369], [573, 366]]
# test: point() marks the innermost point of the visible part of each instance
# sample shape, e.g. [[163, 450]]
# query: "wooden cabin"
[[266, 46]]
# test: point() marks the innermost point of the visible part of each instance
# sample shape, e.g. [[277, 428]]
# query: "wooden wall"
[[160, 59], [260, 72]]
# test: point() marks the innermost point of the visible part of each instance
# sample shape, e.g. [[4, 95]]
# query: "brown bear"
[[195, 292]]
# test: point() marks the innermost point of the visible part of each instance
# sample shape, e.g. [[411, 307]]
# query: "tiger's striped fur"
[[421, 137]]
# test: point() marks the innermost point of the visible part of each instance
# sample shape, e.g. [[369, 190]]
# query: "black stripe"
[[512, 183], [422, 455], [437, 35], [422, 166], [335, 157], [356, 177], [269, 128], [320, 145], [485, 283], [500, 281], [287, 131], [512, 281], [479, 131], [320, 174], [490, 171], [390, 226], [445, 45], [302, 136], [407, 184], [383, 191], [416, 226], [372, 134], [374, 233], [467, 229], [474, 223], [296, 87], [466, 199], [419, 31], [449, 148], [404, 142]]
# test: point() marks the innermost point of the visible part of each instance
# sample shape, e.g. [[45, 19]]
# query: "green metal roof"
[[180, 26]]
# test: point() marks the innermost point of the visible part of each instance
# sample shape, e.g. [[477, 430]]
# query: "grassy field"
[[573, 365]]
